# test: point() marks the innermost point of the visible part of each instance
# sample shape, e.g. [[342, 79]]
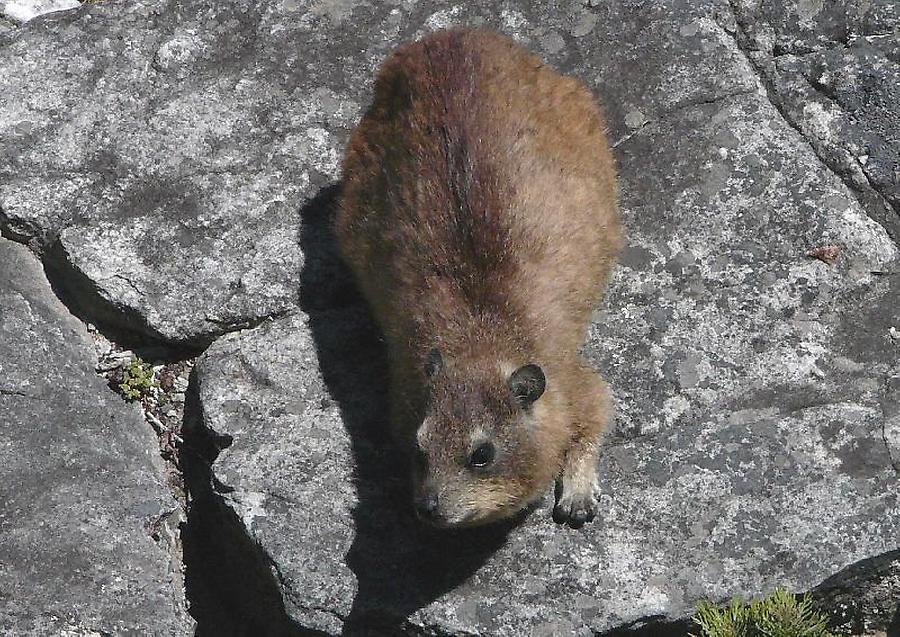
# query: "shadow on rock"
[[862, 597], [400, 565], [228, 578]]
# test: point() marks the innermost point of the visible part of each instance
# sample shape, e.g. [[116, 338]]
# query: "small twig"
[[156, 422]]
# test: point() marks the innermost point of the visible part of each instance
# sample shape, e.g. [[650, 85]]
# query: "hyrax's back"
[[479, 192]]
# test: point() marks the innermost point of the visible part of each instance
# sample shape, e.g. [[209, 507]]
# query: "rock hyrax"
[[478, 214]]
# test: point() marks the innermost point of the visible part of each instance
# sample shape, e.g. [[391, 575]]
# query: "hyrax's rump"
[[478, 214]]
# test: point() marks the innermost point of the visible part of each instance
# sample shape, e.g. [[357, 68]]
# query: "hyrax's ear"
[[527, 384], [433, 362]]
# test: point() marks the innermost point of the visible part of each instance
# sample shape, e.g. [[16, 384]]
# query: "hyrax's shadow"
[[400, 565]]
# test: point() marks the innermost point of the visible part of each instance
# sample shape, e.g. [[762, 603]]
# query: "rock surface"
[[163, 174], [785, 491], [24, 10], [755, 385], [80, 481], [833, 70], [168, 161]]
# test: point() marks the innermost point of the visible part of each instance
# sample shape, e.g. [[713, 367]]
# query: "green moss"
[[778, 615], [137, 380]]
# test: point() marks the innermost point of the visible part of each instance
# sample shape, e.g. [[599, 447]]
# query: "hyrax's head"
[[480, 452]]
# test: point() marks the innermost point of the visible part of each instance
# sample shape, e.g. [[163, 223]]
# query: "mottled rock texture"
[[833, 70], [160, 161], [24, 10], [170, 165], [81, 492]]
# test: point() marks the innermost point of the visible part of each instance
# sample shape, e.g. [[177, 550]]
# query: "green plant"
[[137, 379], [781, 614], [731, 621]]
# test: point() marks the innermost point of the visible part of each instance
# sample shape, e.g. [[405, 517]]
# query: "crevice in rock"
[[694, 103], [652, 627], [861, 599], [232, 586], [887, 409], [859, 176], [18, 231], [227, 580], [121, 324], [872, 201], [230, 590], [15, 392], [115, 348], [164, 530], [84, 299], [229, 326], [79, 294], [162, 413], [782, 49]]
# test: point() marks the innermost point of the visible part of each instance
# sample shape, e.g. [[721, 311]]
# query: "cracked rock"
[[162, 176], [81, 488], [169, 163], [751, 381], [766, 487], [834, 69], [163, 173]]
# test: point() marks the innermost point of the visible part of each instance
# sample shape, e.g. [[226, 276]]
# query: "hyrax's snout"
[[428, 506]]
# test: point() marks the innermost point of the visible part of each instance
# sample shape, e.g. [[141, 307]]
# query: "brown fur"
[[478, 214]]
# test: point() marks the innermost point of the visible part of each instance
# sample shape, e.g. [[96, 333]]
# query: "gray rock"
[[753, 445], [833, 70], [162, 175], [754, 387], [81, 493], [168, 163], [25, 10], [788, 490], [805, 26]]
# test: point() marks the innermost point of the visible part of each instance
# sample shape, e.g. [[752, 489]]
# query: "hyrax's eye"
[[482, 456]]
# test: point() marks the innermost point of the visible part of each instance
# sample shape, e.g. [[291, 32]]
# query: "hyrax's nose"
[[427, 506]]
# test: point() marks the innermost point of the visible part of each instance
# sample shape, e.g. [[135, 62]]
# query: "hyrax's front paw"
[[576, 500]]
